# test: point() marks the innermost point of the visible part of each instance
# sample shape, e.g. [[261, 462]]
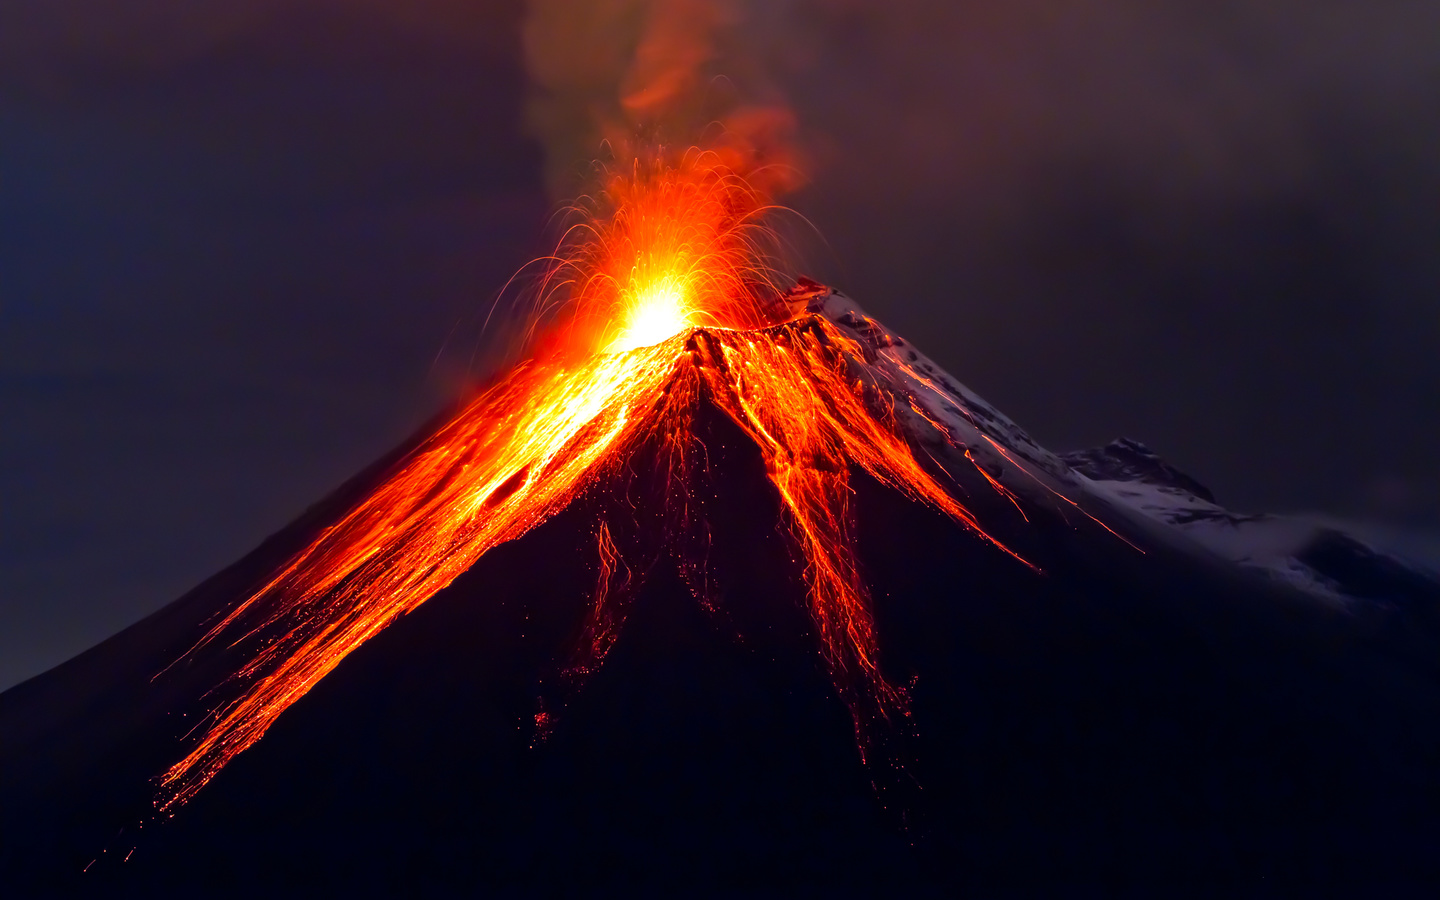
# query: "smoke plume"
[[611, 78]]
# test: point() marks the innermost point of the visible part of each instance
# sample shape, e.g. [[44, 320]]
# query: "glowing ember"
[[663, 303]]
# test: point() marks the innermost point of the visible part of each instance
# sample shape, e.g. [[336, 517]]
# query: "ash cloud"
[[606, 74]]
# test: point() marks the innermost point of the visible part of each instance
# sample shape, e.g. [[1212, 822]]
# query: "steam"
[[611, 78]]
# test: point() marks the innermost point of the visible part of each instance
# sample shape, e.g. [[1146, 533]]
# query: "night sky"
[[243, 253]]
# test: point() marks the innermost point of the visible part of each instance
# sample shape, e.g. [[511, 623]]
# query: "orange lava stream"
[[513, 458], [791, 390], [672, 273], [603, 620]]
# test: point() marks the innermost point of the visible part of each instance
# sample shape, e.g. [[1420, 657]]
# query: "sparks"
[[664, 299]]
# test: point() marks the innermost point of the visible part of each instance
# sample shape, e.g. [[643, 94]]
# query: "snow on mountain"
[[1315, 555]]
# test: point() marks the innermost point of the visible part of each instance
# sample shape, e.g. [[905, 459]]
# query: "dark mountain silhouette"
[[1139, 714]]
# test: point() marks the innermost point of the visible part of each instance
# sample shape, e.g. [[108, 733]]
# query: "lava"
[[663, 299]]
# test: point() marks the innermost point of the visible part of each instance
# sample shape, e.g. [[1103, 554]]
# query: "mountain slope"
[[1130, 710]]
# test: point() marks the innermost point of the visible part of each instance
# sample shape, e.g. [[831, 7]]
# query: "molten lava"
[[662, 301]]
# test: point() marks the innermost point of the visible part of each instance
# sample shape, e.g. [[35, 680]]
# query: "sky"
[[245, 248]]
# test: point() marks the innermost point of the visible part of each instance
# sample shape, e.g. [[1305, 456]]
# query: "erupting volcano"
[[670, 305], [1035, 665]]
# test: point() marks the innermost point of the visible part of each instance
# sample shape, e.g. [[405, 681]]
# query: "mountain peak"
[[1124, 459]]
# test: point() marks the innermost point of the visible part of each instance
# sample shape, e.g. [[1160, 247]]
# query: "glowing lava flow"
[[666, 290], [514, 457]]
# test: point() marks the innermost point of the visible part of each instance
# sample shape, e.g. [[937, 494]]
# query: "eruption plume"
[[633, 74]]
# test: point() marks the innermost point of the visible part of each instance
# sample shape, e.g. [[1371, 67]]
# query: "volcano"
[[784, 605]]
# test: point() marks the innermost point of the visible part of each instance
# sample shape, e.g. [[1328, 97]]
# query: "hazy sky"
[[246, 247]]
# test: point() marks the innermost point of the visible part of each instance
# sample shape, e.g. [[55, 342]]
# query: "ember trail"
[[663, 299]]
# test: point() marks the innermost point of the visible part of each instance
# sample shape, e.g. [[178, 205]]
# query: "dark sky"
[[243, 252]]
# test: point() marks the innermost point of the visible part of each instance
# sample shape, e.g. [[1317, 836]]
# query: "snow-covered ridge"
[[1316, 556], [945, 401], [1310, 554]]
